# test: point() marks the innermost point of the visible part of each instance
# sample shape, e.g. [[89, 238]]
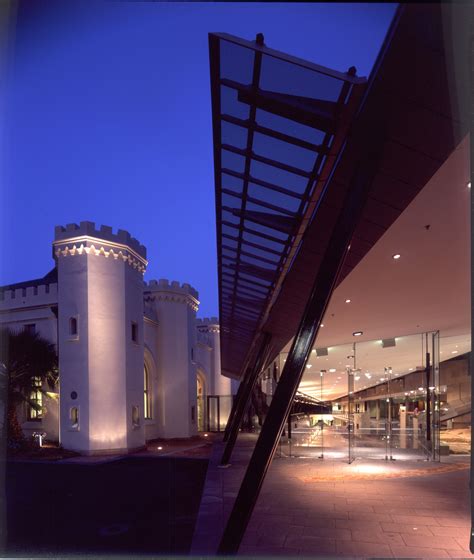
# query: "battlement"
[[43, 294], [164, 285], [106, 233], [206, 321]]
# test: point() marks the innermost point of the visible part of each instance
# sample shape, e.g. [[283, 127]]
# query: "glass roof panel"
[[236, 62], [278, 177], [283, 151], [287, 126], [273, 197], [234, 135], [282, 77], [232, 161], [231, 106]]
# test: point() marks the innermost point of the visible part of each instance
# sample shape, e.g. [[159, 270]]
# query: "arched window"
[[147, 409]]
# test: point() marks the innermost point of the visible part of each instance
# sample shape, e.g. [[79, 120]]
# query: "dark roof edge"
[[50, 278]]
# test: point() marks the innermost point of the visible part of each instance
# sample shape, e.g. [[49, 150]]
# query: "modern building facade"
[[135, 363], [337, 197]]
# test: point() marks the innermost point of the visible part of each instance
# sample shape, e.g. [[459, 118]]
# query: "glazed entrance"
[[381, 399]]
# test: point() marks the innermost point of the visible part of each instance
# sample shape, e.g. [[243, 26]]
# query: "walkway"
[[313, 507]]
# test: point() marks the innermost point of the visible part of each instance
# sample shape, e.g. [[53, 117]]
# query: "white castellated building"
[[135, 363]]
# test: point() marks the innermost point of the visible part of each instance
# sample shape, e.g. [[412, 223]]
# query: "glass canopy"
[[278, 124]]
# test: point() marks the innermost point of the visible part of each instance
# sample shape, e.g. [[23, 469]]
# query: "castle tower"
[[218, 384], [100, 303], [175, 305]]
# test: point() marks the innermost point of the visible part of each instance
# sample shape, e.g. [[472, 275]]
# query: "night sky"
[[106, 116]]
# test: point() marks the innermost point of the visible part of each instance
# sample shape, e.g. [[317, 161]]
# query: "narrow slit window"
[[74, 416], [134, 332], [73, 326]]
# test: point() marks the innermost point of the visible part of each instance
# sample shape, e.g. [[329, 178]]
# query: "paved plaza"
[[314, 507]]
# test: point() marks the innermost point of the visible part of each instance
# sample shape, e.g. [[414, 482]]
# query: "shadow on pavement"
[[131, 505]]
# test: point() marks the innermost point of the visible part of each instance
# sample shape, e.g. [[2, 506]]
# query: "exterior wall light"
[[396, 256], [357, 333]]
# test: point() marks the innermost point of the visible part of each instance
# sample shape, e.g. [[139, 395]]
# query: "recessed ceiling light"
[[309, 366], [348, 300], [357, 333], [313, 350], [357, 378], [396, 256], [332, 370], [454, 352], [420, 388], [322, 325]]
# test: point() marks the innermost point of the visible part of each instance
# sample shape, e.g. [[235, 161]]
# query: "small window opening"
[[134, 332], [73, 326], [135, 416], [74, 416]]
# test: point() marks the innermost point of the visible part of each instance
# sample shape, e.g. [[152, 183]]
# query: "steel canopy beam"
[[324, 284]]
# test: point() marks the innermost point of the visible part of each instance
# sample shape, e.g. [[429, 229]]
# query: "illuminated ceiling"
[[427, 289]]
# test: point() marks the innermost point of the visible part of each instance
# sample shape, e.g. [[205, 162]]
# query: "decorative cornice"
[[105, 234], [189, 300], [85, 245], [208, 324], [209, 329]]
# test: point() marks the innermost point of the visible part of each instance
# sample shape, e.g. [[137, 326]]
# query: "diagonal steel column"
[[238, 397], [323, 287], [247, 386]]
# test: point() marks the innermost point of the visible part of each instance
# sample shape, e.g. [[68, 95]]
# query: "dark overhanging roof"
[[411, 86]]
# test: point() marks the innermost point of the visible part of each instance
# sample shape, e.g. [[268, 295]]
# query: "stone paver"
[[328, 508]]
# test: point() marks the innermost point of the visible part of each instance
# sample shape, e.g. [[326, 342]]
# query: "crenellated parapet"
[[208, 324], [164, 290], [31, 296], [85, 238]]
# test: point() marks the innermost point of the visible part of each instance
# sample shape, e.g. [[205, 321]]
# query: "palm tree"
[[25, 358]]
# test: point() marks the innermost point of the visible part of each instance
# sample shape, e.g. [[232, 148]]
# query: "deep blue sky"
[[107, 117]]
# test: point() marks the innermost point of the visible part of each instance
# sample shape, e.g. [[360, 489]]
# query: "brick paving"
[[328, 508]]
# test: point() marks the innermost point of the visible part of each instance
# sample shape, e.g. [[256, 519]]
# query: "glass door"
[[434, 393], [213, 413], [350, 413]]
